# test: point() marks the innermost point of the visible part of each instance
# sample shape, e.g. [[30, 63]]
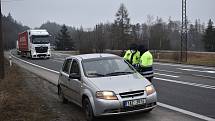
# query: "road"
[[184, 88], [189, 87]]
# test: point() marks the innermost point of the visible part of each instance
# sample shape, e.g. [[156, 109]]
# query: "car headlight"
[[150, 89], [107, 95]]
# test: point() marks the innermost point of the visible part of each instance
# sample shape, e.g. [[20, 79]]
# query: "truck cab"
[[35, 44], [40, 44]]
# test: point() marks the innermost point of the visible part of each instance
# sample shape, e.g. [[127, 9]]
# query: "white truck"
[[34, 44]]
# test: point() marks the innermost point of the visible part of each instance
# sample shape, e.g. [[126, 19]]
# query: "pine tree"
[[65, 41], [209, 37], [123, 27]]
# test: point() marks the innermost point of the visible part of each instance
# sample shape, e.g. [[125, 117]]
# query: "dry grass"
[[207, 59], [17, 103], [196, 58]]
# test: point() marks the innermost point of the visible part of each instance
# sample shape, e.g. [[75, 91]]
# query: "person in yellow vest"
[[132, 55], [145, 63]]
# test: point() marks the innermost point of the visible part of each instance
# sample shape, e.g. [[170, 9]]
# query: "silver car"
[[104, 84]]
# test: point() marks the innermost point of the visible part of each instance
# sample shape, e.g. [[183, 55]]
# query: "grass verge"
[[17, 103]]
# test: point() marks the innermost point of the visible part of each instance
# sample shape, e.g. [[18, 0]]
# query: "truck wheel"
[[31, 56], [61, 96], [28, 55], [88, 110], [22, 54]]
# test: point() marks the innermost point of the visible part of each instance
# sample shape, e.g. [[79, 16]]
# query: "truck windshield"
[[40, 39]]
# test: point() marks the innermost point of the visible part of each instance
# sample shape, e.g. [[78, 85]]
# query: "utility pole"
[[184, 32], [1, 49]]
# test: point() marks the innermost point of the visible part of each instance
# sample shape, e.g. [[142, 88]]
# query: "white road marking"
[[194, 70], [168, 71], [56, 54], [203, 76], [187, 83], [186, 112], [57, 61], [160, 104], [212, 72], [62, 59], [60, 54], [34, 64], [166, 75], [185, 66], [175, 72]]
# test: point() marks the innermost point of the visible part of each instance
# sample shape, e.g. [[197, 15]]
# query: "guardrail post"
[[10, 60]]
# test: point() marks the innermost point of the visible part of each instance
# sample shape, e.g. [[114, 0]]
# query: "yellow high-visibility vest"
[[135, 59], [146, 60]]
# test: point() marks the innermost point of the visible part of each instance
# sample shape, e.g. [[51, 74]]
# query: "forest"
[[154, 33]]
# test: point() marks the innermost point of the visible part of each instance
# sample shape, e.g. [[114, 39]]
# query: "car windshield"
[[106, 67], [40, 39]]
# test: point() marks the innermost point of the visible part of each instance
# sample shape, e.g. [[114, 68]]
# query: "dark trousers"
[[147, 72]]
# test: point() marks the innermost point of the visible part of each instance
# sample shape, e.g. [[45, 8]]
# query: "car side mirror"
[[75, 76]]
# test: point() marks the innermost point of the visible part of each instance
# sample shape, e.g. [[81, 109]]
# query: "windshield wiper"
[[95, 74], [119, 73]]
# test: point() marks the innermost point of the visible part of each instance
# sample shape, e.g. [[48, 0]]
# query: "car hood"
[[121, 83]]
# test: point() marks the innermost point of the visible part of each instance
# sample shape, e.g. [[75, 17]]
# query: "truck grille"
[[132, 94], [41, 49]]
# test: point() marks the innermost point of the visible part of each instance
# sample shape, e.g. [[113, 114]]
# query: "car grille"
[[138, 107], [126, 109], [41, 49], [131, 94]]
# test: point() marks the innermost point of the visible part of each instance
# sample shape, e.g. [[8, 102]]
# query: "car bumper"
[[115, 107]]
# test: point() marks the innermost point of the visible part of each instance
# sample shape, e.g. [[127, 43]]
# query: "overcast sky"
[[90, 12]]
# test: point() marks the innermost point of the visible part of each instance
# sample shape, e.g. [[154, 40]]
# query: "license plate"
[[132, 103]]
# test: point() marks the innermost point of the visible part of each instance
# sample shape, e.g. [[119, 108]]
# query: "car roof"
[[91, 56]]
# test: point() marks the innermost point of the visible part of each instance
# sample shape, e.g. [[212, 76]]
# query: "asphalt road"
[[190, 88]]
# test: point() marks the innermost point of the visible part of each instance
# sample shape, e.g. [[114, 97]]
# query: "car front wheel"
[[88, 110]]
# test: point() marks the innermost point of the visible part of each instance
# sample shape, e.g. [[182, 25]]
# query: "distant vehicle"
[[34, 44], [17, 48], [104, 84]]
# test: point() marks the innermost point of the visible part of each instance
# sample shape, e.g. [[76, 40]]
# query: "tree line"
[[155, 34], [10, 30]]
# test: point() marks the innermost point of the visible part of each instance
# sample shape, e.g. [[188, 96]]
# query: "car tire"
[[88, 110], [61, 96]]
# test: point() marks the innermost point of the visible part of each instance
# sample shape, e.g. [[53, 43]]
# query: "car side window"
[[75, 68], [66, 66]]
